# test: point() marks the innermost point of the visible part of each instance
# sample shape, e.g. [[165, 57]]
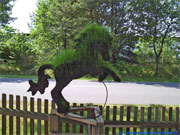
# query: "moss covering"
[[94, 33], [66, 56]]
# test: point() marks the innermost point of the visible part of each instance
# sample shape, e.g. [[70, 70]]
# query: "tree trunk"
[[91, 14], [65, 44], [112, 15], [156, 66]]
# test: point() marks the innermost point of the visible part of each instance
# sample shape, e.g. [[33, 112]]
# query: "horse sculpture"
[[90, 56]]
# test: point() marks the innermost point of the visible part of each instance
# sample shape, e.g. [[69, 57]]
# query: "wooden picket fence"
[[25, 113], [23, 116]]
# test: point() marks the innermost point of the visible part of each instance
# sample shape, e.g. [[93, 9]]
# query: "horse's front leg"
[[112, 73], [102, 76], [62, 104]]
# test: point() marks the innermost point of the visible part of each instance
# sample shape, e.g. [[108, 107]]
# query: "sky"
[[22, 10]]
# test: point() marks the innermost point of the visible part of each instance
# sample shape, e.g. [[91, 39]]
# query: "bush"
[[145, 72]]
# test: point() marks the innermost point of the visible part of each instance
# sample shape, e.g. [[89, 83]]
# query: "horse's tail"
[[42, 80]]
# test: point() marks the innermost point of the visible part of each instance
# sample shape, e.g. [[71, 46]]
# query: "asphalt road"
[[83, 91]]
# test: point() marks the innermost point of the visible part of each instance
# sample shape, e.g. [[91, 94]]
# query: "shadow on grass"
[[18, 80]]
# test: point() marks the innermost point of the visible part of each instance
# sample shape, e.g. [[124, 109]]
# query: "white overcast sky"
[[22, 10]]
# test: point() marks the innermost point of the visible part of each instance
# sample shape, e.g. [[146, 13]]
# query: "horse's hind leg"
[[62, 104]]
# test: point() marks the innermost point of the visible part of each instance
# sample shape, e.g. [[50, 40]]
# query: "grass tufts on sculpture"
[[90, 56]]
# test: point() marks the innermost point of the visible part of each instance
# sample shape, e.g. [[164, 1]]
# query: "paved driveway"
[[83, 91]]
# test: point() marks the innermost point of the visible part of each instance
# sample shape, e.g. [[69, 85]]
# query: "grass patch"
[[87, 77], [18, 76], [125, 78], [145, 72], [128, 73], [148, 79]]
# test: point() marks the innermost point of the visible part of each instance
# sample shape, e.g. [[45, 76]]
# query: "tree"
[[5, 31], [5, 11], [144, 54], [155, 20], [16, 48], [5, 34], [42, 32], [115, 15], [23, 52], [171, 52], [56, 22]]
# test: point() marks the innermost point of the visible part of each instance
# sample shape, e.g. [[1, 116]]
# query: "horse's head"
[[97, 39]]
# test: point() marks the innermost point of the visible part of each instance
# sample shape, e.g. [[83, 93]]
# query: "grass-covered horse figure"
[[90, 56]]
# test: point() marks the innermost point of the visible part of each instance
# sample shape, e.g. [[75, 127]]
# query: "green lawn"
[[128, 73], [123, 78]]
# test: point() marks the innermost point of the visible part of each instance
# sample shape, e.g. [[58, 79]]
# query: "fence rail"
[[22, 116], [126, 124]]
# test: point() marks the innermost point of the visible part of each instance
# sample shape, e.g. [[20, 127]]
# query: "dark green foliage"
[[55, 23], [155, 21], [144, 72], [5, 12], [17, 50]]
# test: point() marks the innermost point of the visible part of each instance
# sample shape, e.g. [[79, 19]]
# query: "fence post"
[[98, 129], [54, 121], [18, 128], [177, 118], [32, 120], [11, 118], [89, 127], [25, 129], [46, 122], [95, 126], [4, 116], [95, 129], [90, 114]]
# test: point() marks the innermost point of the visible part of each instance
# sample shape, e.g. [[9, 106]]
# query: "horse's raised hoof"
[[117, 80]]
